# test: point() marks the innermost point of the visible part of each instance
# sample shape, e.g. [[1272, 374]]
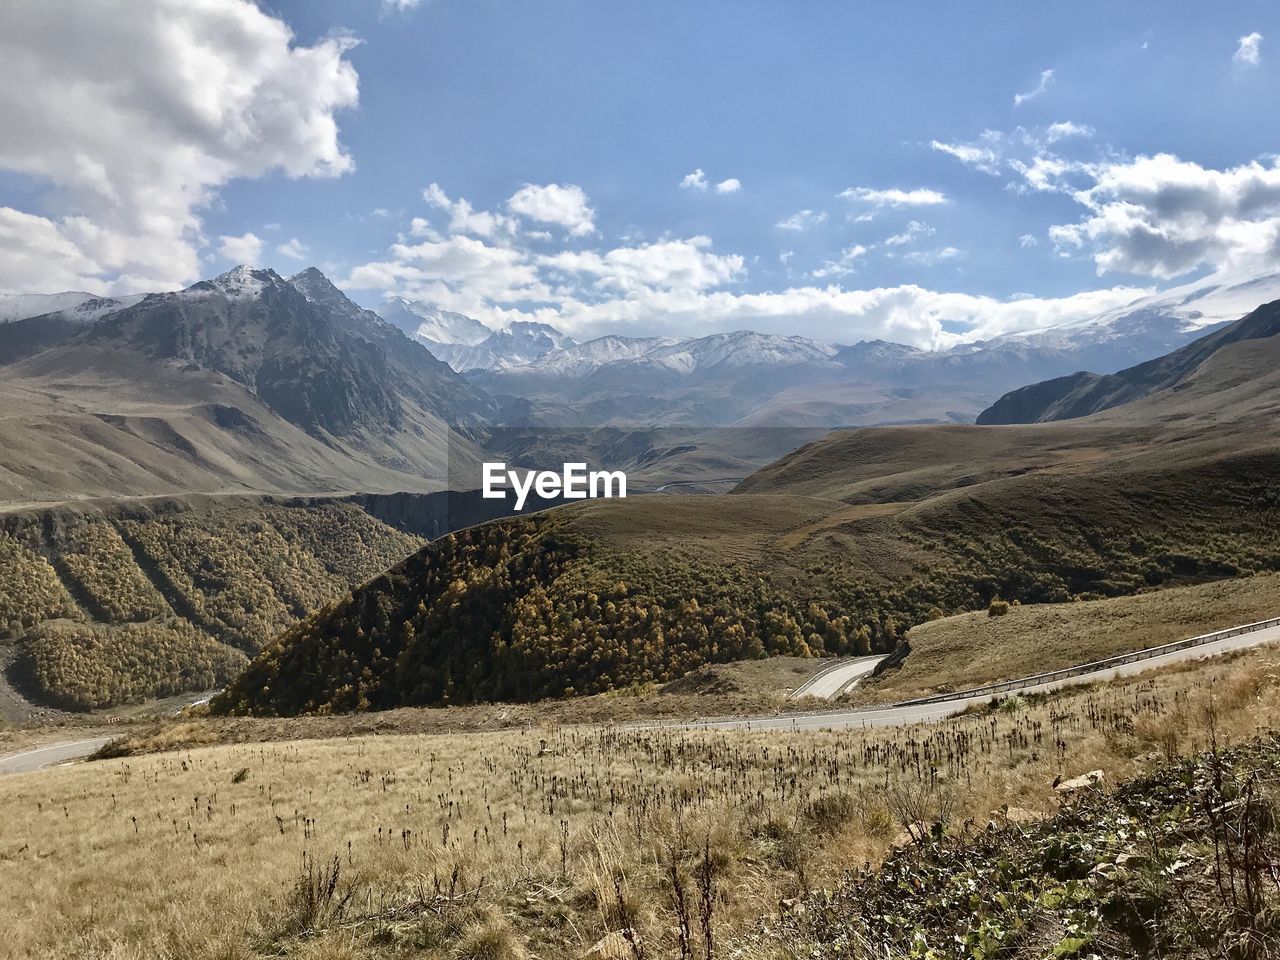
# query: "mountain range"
[[835, 548], [244, 382], [747, 379], [251, 382]]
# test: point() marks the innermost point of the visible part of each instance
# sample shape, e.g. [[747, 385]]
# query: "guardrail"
[[799, 691], [1095, 666], [991, 689]]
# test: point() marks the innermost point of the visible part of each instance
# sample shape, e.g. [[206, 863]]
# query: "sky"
[[922, 172]]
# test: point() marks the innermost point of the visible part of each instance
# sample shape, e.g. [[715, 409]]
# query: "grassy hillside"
[[129, 601], [972, 649], [582, 599], [509, 844], [837, 548]]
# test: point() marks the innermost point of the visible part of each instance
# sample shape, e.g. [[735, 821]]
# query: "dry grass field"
[[540, 841], [972, 649]]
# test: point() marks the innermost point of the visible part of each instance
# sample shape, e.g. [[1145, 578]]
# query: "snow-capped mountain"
[[431, 325], [73, 306], [517, 345]]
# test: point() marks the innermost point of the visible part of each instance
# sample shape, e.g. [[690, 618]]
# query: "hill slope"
[[118, 601], [1081, 394], [247, 382], [836, 548]]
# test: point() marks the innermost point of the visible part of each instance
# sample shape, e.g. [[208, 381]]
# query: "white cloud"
[[906, 314], [1164, 217], [974, 155], [802, 220], [1249, 51], [669, 264], [463, 218], [895, 197], [1028, 240], [845, 264], [732, 185], [35, 247], [459, 272], [294, 249], [143, 111], [694, 181], [564, 205], [246, 248], [1065, 128], [914, 231], [929, 257], [421, 227], [683, 287], [1046, 76]]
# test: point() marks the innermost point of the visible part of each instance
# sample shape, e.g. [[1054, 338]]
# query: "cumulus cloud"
[[684, 287], [906, 314], [1249, 50], [1046, 77], [294, 249], [563, 205], [1164, 217], [142, 112], [895, 197], [463, 218], [459, 272], [694, 181], [802, 220], [246, 248], [698, 181], [666, 265]]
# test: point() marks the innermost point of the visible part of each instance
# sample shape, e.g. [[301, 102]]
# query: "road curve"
[[835, 679], [906, 714], [41, 758], [52, 755]]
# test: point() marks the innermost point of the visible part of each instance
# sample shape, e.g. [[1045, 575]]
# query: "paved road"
[[48, 756], [898, 716], [836, 679], [51, 755]]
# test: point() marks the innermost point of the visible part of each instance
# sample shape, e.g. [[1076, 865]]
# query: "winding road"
[[835, 679], [41, 758], [905, 714], [894, 715]]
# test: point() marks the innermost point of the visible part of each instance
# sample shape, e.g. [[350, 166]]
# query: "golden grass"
[[501, 843], [972, 649]]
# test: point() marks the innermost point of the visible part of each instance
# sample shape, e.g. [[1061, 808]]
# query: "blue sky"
[[910, 170]]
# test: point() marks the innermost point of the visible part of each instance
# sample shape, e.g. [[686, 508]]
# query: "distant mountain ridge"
[[746, 378], [1083, 393]]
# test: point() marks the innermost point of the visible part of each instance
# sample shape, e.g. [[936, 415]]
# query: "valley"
[[651, 481], [447, 731]]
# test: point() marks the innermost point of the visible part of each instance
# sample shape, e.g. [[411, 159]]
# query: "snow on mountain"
[[519, 344], [742, 348], [74, 306], [875, 351], [431, 325]]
